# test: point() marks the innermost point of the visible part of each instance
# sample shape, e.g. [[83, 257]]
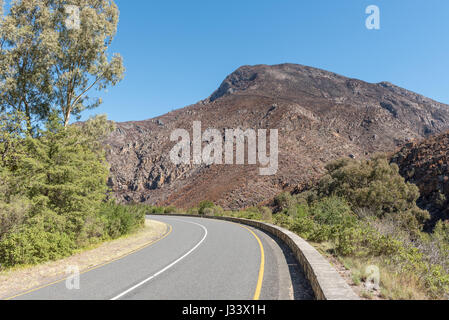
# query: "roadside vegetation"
[[363, 214], [53, 197], [53, 174]]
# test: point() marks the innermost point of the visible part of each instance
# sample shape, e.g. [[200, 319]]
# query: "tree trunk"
[[28, 118], [66, 120], [67, 116]]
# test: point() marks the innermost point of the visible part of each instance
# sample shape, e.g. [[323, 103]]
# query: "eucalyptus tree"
[[26, 38], [85, 31], [53, 53]]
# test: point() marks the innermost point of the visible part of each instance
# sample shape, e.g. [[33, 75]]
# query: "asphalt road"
[[199, 259]]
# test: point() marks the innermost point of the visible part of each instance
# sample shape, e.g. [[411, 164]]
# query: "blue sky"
[[178, 52]]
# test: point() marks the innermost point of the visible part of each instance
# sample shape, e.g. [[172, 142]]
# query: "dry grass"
[[393, 285], [401, 286], [25, 278]]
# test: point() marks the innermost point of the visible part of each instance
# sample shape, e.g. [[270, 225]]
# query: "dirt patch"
[[21, 280]]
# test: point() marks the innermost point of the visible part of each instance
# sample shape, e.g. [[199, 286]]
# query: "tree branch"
[[87, 89]]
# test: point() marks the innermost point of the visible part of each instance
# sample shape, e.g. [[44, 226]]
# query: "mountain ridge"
[[320, 116]]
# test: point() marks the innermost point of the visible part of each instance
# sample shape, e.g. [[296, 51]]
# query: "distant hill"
[[320, 116], [426, 164]]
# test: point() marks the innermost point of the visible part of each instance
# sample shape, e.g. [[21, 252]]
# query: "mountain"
[[426, 164], [320, 116]]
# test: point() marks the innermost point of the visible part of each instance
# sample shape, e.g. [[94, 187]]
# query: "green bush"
[[193, 211], [32, 244], [441, 232], [283, 220], [208, 212], [13, 214], [320, 221], [333, 211], [170, 209], [158, 210], [52, 189], [203, 205], [376, 185], [218, 211], [364, 210], [304, 225], [283, 201], [250, 213], [121, 220], [363, 241]]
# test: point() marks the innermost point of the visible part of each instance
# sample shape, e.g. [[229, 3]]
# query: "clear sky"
[[178, 52]]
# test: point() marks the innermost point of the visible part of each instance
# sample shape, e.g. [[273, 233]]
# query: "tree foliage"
[[52, 191], [53, 175], [375, 185], [47, 65]]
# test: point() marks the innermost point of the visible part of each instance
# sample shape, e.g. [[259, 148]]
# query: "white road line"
[[167, 267]]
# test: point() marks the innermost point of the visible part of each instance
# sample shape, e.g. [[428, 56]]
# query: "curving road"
[[198, 259]]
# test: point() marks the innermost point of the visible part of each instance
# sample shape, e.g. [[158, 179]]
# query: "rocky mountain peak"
[[320, 116]]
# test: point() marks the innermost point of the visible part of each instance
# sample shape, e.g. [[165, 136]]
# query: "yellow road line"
[[170, 229], [262, 265]]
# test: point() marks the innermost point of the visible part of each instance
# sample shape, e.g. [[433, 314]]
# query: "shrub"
[[320, 221], [283, 201], [52, 188], [228, 213], [218, 211], [158, 210], [441, 232], [13, 214], [209, 212], [93, 231], [364, 241], [170, 209], [333, 211], [249, 213], [374, 184], [303, 225], [364, 211], [267, 215], [300, 210], [283, 220], [32, 244], [203, 205], [121, 220], [193, 211]]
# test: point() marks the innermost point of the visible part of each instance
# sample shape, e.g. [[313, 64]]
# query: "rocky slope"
[[320, 116], [426, 164]]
